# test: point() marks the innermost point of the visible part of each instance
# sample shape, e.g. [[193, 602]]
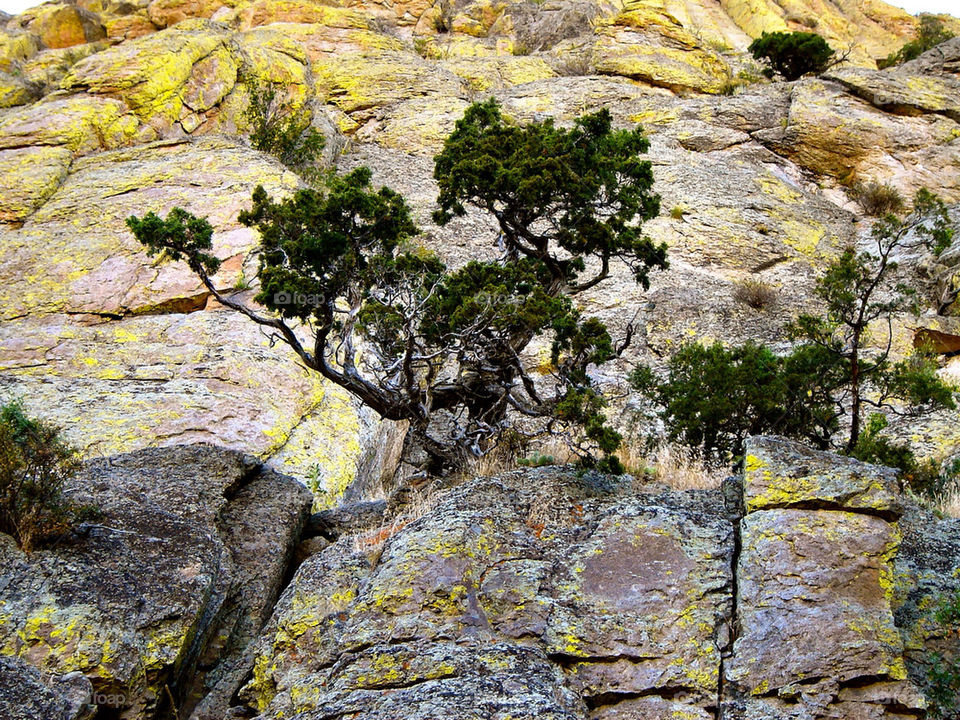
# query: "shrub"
[[755, 293], [943, 676], [929, 34], [714, 398], [287, 133], [793, 55], [879, 199], [677, 212], [35, 463]]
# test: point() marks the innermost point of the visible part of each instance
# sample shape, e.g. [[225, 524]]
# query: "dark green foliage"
[[181, 236], [943, 676], [792, 54], [930, 33], [553, 191], [715, 397], [35, 463], [858, 290], [442, 349], [287, 133], [943, 688]]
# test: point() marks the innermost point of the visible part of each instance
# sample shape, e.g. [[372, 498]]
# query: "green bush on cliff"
[[792, 54], [714, 397], [930, 33], [444, 349], [35, 463], [286, 132]]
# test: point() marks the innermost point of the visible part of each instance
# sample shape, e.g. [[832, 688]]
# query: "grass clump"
[[879, 199], [755, 293]]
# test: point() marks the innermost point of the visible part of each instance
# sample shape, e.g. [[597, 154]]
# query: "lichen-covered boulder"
[[93, 264], [28, 176], [17, 46], [165, 379], [832, 132], [80, 123], [520, 597], [645, 44], [817, 590], [15, 90], [152, 73], [778, 474], [61, 24], [192, 547]]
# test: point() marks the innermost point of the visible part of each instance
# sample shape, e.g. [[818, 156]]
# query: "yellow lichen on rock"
[[79, 123], [647, 44], [28, 176], [149, 73]]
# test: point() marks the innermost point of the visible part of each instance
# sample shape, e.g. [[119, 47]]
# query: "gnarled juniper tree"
[[443, 349]]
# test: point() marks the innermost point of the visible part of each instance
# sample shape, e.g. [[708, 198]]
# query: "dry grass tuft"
[[949, 502], [419, 504], [755, 293], [681, 469], [879, 199]]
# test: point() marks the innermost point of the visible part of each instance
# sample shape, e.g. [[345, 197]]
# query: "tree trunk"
[[855, 392]]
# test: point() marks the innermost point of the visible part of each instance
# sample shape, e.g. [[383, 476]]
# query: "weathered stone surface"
[[28, 177], [513, 597], [814, 601], [646, 44], [61, 24], [168, 379], [151, 72], [27, 694], [902, 94], [193, 544], [831, 132], [926, 581], [90, 262], [783, 474], [80, 123], [15, 90], [16, 46]]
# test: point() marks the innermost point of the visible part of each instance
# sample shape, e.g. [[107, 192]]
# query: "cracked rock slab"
[[536, 594], [159, 585], [780, 473]]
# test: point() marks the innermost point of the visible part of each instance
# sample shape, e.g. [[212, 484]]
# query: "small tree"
[[793, 54], [714, 397], [35, 463], [930, 33], [859, 291], [443, 349], [286, 132]]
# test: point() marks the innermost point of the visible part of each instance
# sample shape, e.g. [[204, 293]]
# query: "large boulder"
[[522, 596], [165, 591], [816, 590]]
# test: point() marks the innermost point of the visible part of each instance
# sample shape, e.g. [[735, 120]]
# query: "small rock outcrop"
[[155, 604]]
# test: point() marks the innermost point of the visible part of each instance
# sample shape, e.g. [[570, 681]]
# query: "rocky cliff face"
[[119, 108], [807, 588]]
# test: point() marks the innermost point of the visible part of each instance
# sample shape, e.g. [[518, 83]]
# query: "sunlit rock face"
[[118, 108]]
